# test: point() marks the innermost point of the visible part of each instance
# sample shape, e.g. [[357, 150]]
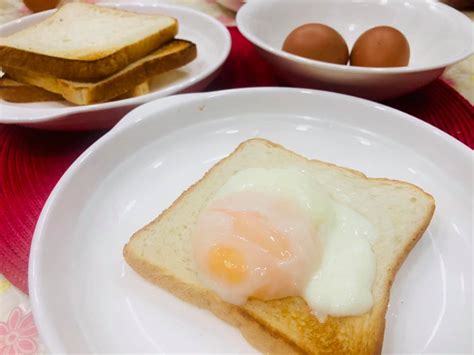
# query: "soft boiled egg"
[[274, 233]]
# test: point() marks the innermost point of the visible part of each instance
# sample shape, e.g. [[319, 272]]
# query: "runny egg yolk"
[[228, 264]]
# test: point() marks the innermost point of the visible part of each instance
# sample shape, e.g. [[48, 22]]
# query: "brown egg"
[[382, 46], [319, 42], [40, 5]]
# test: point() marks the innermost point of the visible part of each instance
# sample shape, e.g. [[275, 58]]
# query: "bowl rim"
[[250, 6]]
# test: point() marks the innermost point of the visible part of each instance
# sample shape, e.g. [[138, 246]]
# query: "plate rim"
[[44, 325], [133, 101]]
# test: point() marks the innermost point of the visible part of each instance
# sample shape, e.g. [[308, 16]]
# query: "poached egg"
[[274, 233]]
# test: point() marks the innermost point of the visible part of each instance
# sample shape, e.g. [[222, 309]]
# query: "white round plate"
[[86, 299], [213, 44]]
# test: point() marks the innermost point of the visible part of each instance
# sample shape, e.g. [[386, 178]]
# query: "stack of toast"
[[90, 54]]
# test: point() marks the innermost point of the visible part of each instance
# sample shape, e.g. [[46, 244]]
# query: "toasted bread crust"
[[13, 91], [119, 84], [337, 335], [108, 89], [17, 92], [86, 69]]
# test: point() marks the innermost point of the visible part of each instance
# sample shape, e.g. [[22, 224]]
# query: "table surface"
[[15, 311]]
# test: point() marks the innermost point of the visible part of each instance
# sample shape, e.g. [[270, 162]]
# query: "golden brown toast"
[[84, 42], [161, 253], [170, 56], [14, 91]]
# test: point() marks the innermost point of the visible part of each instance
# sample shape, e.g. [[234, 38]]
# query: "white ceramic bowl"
[[438, 35]]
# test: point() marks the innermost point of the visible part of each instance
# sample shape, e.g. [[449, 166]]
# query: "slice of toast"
[[14, 91], [85, 42], [400, 212], [170, 56]]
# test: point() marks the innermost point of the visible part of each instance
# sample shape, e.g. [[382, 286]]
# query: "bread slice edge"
[[16, 92], [181, 53]]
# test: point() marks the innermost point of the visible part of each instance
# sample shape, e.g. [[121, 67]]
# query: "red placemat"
[[32, 161]]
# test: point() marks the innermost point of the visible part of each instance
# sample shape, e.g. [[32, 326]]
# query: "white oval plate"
[[213, 43], [86, 299]]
